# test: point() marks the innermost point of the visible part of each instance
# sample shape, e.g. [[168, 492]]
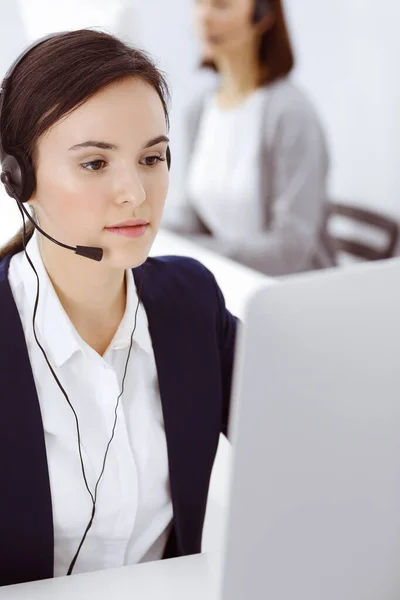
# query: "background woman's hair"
[[60, 75], [275, 53]]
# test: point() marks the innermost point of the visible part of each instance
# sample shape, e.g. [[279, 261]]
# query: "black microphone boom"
[[90, 252], [87, 251]]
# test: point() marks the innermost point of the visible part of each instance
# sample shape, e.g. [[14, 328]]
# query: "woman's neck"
[[93, 297], [240, 75]]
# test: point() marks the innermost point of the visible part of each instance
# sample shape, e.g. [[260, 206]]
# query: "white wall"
[[13, 37], [44, 16], [348, 53]]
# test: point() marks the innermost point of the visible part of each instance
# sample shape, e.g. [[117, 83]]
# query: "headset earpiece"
[[261, 9], [18, 176], [168, 158], [6, 181]]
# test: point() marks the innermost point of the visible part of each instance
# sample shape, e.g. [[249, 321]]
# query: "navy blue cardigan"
[[193, 337]]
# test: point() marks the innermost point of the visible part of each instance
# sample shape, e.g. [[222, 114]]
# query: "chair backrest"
[[358, 248]]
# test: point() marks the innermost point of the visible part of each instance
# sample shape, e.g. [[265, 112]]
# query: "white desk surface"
[[188, 578]]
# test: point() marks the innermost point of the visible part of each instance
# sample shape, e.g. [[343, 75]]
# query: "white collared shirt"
[[134, 509]]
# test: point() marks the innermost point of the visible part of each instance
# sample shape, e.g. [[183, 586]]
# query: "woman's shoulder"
[[291, 109], [176, 265], [183, 272], [4, 266], [290, 98], [180, 285]]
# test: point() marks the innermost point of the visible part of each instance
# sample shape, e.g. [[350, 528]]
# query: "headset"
[[261, 9], [18, 175], [18, 178]]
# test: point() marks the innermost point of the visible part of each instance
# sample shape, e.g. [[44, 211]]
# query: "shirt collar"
[[57, 333], [122, 337]]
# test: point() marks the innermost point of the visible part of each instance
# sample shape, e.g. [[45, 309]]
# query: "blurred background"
[[346, 60]]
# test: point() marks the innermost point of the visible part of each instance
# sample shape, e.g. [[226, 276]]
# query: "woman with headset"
[[115, 368], [255, 179]]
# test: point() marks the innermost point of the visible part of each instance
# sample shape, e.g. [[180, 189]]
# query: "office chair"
[[359, 248]]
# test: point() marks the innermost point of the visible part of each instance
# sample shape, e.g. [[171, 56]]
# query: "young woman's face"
[[102, 165], [223, 25]]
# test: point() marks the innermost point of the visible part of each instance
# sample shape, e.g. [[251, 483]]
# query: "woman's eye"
[[93, 165], [151, 161]]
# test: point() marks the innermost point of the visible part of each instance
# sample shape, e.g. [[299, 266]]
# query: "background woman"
[[256, 177]]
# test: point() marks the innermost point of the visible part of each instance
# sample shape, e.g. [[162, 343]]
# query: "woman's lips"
[[131, 231]]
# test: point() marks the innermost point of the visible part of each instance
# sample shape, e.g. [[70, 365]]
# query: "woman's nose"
[[131, 188]]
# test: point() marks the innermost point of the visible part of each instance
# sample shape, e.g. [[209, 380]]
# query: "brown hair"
[[276, 57], [57, 77]]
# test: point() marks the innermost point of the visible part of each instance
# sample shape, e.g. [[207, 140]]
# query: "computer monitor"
[[315, 486]]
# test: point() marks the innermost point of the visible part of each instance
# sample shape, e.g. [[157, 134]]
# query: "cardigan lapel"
[[189, 380]]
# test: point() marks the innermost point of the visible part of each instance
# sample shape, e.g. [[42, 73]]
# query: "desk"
[[188, 578]]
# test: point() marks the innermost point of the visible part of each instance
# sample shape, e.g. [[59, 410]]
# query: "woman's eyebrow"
[[94, 144], [157, 140], [109, 146]]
